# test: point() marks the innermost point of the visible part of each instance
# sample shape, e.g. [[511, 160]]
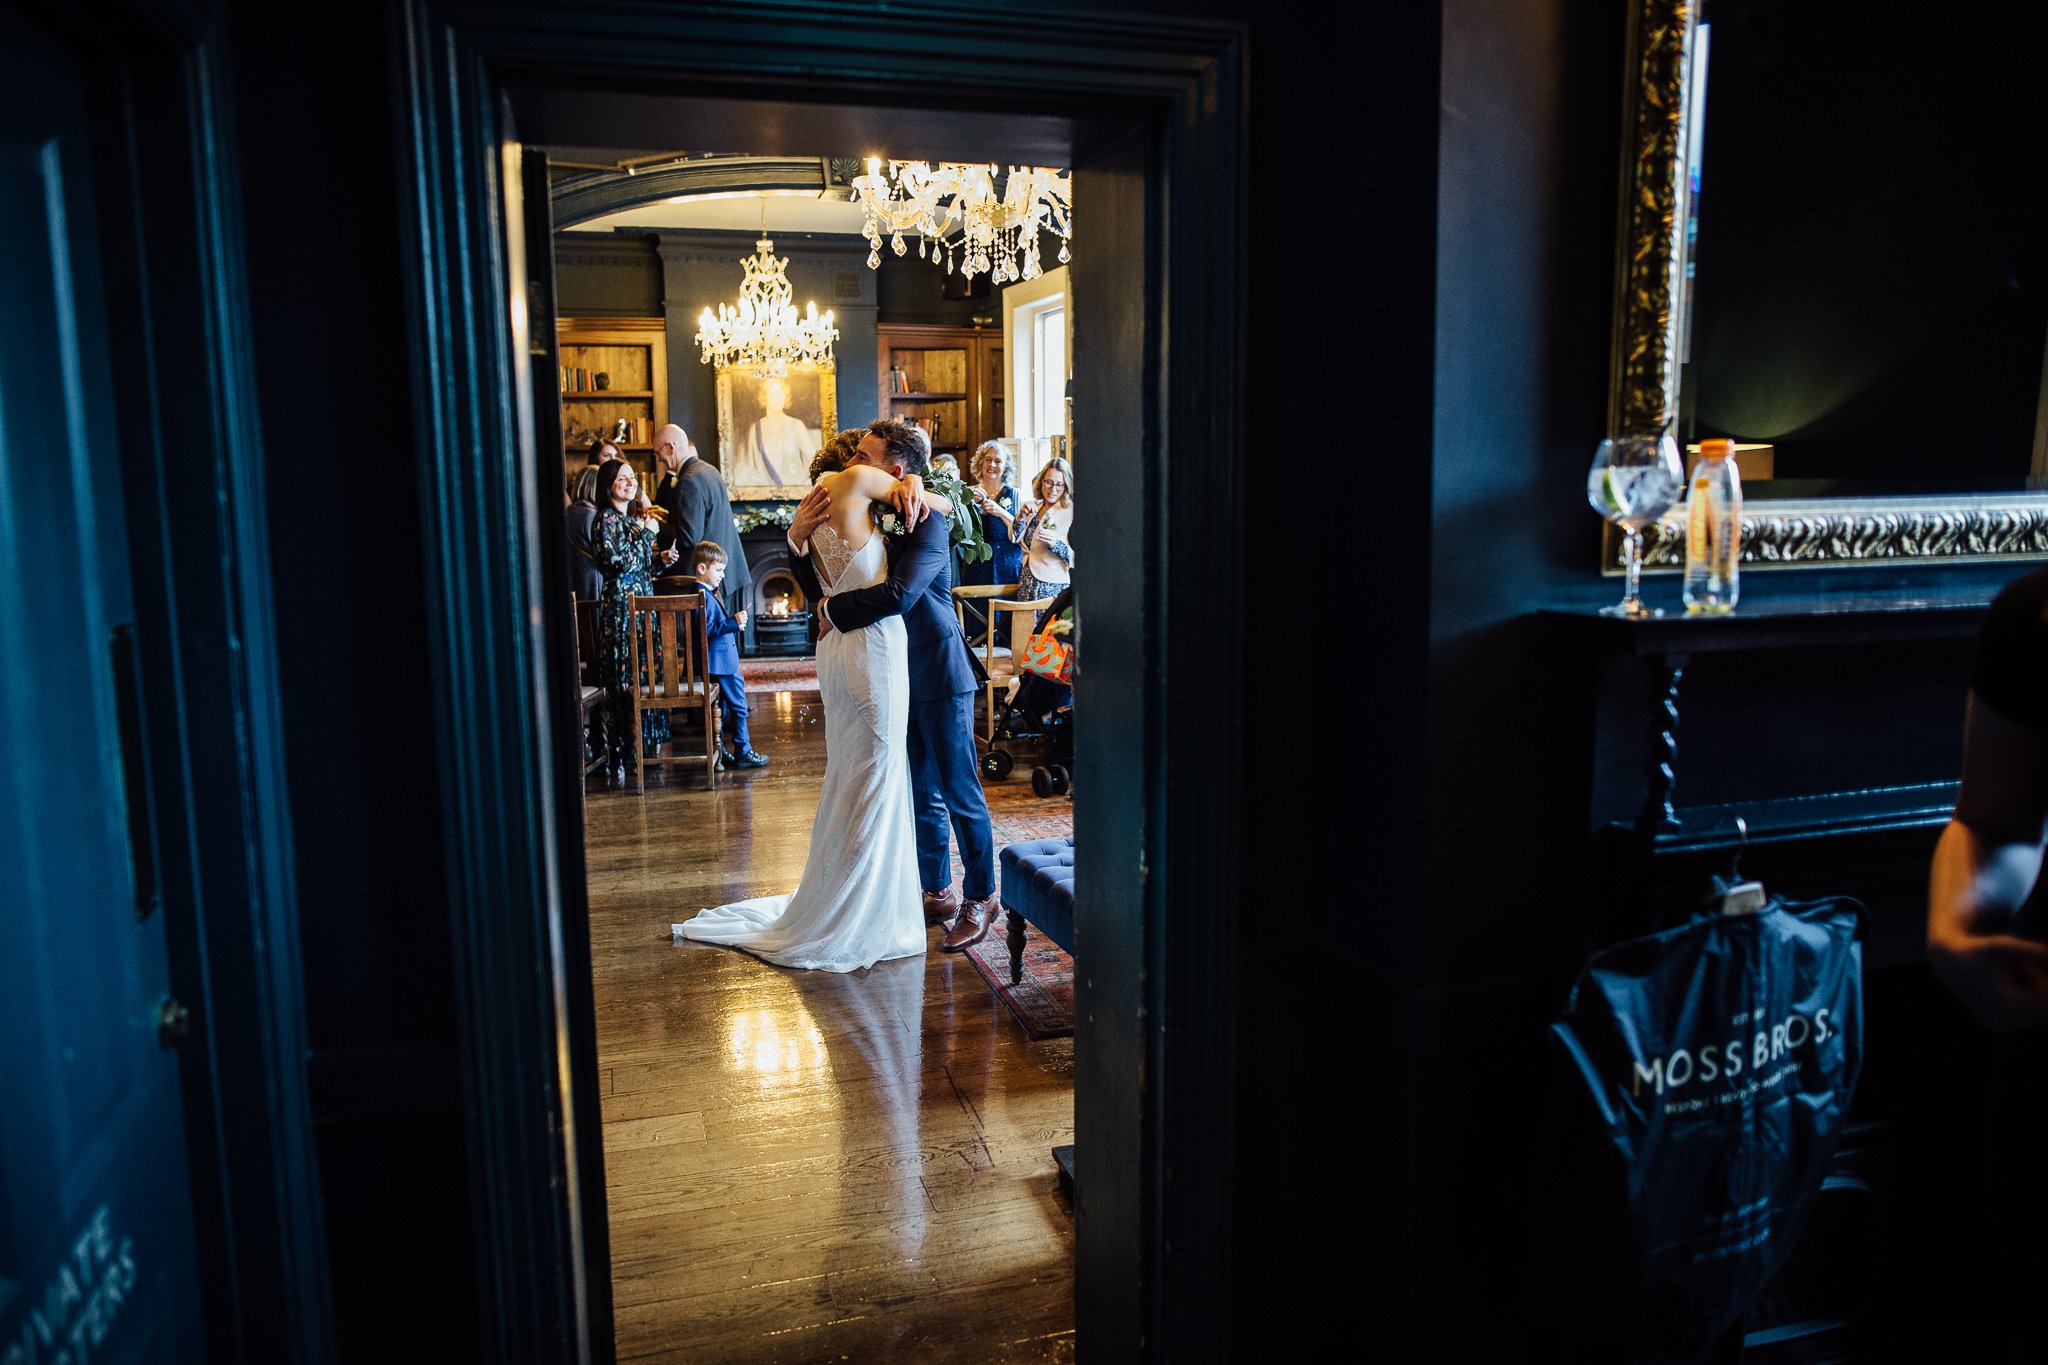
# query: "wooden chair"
[[667, 674], [998, 661], [589, 696]]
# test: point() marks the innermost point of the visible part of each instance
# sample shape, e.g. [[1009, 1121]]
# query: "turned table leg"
[[1657, 815], [1016, 948]]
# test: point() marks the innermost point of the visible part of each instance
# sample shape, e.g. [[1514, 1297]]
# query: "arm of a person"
[[878, 486], [1059, 545], [810, 513], [611, 549], [1024, 526], [920, 562], [1985, 868], [693, 512], [717, 620], [996, 508]]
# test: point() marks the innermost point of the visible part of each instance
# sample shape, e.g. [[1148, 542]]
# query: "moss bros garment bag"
[[1708, 1071]]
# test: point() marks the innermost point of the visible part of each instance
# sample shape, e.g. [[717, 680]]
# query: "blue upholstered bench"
[[1038, 887]]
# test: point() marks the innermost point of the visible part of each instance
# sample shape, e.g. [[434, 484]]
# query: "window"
[[1049, 370], [1037, 342]]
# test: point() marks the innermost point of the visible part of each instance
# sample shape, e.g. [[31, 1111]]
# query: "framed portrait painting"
[[769, 428]]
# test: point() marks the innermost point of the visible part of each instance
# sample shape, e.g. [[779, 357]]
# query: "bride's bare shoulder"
[[844, 486]]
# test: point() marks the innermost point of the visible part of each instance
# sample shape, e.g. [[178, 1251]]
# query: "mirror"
[[1832, 253]]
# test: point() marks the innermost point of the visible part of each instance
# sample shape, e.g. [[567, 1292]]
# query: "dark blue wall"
[[1422, 415]]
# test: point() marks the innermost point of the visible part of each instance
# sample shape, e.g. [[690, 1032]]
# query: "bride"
[[859, 901]]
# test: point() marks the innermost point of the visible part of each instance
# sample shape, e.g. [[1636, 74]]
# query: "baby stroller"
[[1043, 707]]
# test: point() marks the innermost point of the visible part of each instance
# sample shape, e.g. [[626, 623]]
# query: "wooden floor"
[[803, 1165]]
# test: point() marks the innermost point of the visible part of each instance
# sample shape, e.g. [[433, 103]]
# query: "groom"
[[945, 780]]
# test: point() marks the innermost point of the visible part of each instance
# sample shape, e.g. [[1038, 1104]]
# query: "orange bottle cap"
[[1717, 449]]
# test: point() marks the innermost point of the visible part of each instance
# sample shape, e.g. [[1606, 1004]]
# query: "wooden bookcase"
[[632, 355], [949, 380]]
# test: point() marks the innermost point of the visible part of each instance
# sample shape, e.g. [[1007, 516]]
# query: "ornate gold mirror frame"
[[1643, 371]]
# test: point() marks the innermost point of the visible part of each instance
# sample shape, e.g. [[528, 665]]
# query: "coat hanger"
[[1739, 897]]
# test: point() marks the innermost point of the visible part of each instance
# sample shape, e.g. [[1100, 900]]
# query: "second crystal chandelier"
[[959, 216], [764, 334]]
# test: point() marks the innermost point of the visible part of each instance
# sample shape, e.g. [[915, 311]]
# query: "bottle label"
[[1699, 512]]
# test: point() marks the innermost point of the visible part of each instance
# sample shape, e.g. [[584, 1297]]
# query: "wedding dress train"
[[859, 901]]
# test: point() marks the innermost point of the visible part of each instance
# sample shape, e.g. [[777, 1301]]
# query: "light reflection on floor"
[[810, 1165]]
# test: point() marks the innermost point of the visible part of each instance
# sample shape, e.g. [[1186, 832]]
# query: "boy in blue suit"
[[721, 629]]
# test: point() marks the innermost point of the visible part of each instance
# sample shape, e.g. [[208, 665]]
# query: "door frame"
[[1158, 109], [191, 455]]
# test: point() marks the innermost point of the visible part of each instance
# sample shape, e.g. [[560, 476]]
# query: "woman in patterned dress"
[[625, 554], [1043, 532]]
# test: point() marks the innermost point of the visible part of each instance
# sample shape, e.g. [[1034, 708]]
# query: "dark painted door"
[[96, 1245]]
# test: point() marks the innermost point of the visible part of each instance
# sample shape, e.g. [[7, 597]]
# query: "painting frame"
[[758, 467]]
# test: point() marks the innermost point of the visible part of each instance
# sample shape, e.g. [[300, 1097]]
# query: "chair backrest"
[[985, 593], [669, 649], [577, 634], [675, 585], [586, 639], [1021, 615]]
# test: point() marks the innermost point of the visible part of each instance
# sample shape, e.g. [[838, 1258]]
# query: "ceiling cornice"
[[590, 195]]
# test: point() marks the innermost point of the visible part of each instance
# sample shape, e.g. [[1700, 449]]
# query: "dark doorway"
[[1154, 140]]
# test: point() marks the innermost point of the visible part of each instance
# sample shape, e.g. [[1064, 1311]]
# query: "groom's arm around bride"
[[814, 511]]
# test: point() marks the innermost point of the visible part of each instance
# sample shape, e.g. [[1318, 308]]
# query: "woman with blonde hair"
[[1043, 531], [995, 497]]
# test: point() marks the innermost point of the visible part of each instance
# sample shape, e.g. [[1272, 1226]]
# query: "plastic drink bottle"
[[1713, 530]]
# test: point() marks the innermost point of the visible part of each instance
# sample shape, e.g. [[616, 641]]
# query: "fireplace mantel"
[[1816, 736]]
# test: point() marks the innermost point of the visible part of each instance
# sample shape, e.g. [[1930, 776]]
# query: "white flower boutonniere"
[[888, 522]]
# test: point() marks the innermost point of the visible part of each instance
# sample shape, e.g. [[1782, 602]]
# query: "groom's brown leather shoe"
[[972, 925], [940, 905]]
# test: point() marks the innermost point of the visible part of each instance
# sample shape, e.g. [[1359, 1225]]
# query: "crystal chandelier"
[[959, 215], [764, 334]]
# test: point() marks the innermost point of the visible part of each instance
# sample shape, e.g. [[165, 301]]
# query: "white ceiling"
[[790, 211]]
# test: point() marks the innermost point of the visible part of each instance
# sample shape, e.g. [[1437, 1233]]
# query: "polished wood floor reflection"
[[801, 1165]]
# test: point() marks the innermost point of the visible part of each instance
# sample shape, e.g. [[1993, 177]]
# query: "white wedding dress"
[[859, 902]]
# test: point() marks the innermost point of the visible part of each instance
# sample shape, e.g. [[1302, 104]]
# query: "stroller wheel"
[[997, 763], [1061, 780], [1041, 782]]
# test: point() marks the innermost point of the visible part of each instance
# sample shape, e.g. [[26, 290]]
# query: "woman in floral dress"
[[625, 554], [1042, 531]]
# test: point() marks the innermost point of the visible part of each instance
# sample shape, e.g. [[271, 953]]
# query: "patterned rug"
[[780, 675], [1044, 1001]]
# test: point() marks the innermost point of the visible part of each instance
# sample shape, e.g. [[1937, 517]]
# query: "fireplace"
[[779, 615], [781, 622]]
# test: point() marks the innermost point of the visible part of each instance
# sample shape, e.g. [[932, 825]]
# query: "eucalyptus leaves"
[[963, 527]]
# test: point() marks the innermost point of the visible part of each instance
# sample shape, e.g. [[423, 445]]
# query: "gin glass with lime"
[[1634, 481]]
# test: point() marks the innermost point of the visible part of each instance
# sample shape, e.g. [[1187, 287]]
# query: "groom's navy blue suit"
[[945, 778]]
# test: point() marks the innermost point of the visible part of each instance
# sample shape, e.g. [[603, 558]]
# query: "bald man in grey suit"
[[699, 507]]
